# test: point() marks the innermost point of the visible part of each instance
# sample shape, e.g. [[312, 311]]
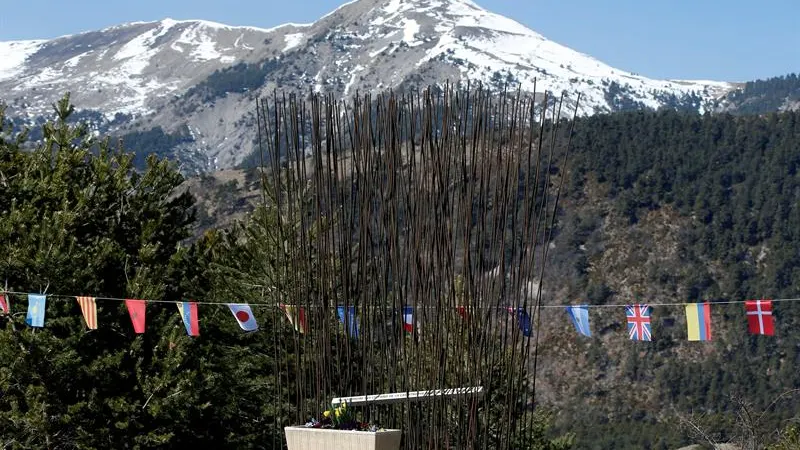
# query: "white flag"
[[244, 315]]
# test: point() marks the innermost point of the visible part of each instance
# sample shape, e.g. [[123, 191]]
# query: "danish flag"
[[759, 317]]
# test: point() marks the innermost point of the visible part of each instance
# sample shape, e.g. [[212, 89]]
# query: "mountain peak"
[[205, 75]]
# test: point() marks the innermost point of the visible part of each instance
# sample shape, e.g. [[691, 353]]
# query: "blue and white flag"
[[348, 320], [580, 318], [36, 305]]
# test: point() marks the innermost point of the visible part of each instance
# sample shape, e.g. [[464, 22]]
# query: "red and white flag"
[[89, 309], [759, 317], [5, 305], [244, 315]]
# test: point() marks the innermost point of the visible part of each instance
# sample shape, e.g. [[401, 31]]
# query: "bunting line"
[[531, 305], [698, 315]]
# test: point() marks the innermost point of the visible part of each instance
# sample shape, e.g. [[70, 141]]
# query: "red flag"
[[759, 317], [136, 308], [4, 305]]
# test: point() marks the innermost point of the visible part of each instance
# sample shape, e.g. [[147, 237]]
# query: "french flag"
[[408, 319], [188, 312]]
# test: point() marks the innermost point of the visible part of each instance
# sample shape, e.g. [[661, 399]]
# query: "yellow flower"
[[326, 414]]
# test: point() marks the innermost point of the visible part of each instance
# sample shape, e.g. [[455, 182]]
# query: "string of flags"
[[760, 319]]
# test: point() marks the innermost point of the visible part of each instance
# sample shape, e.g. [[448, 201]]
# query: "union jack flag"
[[639, 322]]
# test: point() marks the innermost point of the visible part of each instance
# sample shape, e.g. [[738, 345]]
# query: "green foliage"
[[789, 439], [239, 78], [765, 96], [154, 142], [86, 223], [620, 98], [731, 185]]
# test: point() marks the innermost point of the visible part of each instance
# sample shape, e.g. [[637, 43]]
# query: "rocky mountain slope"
[[200, 79]]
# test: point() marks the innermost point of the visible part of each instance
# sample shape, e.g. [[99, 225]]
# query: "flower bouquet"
[[341, 418], [339, 429]]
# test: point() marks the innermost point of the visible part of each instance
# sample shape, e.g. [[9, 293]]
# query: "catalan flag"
[[89, 309], [698, 321]]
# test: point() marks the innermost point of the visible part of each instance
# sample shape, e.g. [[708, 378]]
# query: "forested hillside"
[[79, 219], [670, 207], [765, 96], [661, 207], [664, 208]]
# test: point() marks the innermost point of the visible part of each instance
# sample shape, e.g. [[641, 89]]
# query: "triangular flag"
[[5, 304], [136, 309], [189, 315], [348, 320], [759, 317], [244, 316], [408, 319], [698, 321], [580, 318], [36, 307], [89, 309], [524, 321], [296, 318]]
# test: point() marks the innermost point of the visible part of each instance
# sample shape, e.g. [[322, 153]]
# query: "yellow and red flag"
[[89, 309]]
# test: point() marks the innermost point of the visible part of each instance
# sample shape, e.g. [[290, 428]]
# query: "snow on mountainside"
[[123, 69], [203, 77]]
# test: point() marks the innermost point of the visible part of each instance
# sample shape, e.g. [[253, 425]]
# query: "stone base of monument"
[[302, 438]]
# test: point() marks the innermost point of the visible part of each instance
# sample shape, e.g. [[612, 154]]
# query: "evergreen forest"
[[660, 206]]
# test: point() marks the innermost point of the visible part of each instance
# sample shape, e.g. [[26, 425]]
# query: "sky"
[[725, 40]]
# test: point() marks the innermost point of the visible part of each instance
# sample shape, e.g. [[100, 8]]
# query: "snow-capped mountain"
[[201, 78], [124, 69]]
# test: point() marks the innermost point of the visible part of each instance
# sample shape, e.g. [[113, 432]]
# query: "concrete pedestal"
[[302, 438]]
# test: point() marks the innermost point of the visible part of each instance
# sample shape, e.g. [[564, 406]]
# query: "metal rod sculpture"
[[443, 201]]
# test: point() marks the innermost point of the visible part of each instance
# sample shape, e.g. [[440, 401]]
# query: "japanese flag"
[[244, 315]]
